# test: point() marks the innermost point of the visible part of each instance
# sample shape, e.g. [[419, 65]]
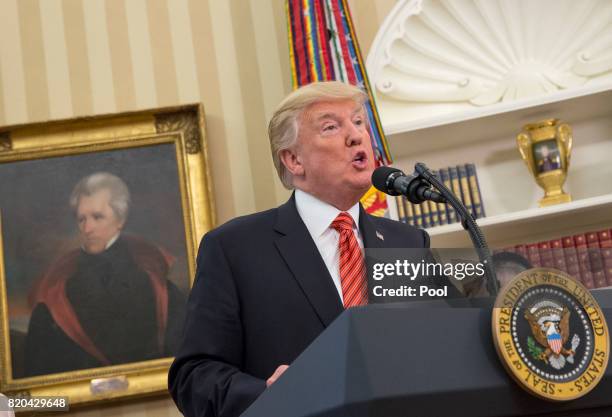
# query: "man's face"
[[97, 221], [334, 150]]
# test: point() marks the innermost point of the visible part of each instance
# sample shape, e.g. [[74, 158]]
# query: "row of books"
[[463, 182], [585, 256]]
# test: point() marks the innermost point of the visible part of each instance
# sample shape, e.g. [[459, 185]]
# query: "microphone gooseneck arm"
[[468, 223]]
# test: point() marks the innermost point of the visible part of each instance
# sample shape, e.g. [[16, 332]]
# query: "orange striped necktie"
[[352, 265]]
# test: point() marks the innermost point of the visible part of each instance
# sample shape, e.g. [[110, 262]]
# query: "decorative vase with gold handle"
[[546, 147]]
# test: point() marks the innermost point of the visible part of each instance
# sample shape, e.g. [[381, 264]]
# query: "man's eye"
[[98, 216], [359, 122], [328, 128]]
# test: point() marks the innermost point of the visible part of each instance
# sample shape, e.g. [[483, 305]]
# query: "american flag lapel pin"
[[379, 235]]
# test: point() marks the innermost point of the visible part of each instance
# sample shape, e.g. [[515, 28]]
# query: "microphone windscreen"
[[380, 176]]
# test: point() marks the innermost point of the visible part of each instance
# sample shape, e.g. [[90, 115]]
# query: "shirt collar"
[[318, 215], [113, 240], [108, 244]]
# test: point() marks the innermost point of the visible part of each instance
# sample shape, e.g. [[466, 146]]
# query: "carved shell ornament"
[[485, 51]]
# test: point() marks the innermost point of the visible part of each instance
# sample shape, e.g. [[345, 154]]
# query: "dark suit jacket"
[[261, 295], [108, 301]]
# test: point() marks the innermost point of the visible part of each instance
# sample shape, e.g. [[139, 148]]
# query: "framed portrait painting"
[[100, 219]]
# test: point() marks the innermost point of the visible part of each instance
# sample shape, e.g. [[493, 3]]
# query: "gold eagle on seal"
[[550, 327]]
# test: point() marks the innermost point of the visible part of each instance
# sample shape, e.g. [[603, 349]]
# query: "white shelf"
[[444, 99], [499, 120], [531, 225]]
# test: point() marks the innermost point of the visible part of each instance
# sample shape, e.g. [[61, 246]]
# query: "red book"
[[580, 241], [605, 238], [605, 243], [583, 261], [596, 263], [546, 256], [592, 240], [571, 257], [556, 247], [533, 255]]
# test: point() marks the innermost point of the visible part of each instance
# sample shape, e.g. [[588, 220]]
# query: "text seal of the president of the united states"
[[551, 334]]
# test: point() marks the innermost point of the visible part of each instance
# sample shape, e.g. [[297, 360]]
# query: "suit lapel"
[[372, 239], [304, 260]]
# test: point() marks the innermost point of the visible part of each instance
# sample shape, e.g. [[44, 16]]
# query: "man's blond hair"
[[283, 127]]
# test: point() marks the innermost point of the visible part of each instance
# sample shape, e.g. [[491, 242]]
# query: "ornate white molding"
[[473, 53]]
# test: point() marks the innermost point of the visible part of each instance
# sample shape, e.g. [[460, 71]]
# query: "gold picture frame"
[[163, 152]]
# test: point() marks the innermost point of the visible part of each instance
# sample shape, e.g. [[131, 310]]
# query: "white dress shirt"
[[318, 216], [108, 245]]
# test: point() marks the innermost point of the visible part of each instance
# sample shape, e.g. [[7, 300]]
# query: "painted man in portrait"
[[108, 302]]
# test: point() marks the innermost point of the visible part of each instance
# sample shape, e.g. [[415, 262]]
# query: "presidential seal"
[[551, 334]]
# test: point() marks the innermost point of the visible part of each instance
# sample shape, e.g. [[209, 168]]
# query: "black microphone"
[[393, 181]]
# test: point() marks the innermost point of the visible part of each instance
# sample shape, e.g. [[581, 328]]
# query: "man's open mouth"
[[360, 160], [360, 157]]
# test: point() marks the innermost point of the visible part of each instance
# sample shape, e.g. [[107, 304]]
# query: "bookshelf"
[[510, 194], [428, 79], [476, 126], [521, 226]]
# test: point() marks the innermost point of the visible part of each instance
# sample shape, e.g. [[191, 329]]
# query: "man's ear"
[[292, 162]]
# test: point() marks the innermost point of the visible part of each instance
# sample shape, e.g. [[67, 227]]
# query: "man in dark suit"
[[268, 284], [109, 302]]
